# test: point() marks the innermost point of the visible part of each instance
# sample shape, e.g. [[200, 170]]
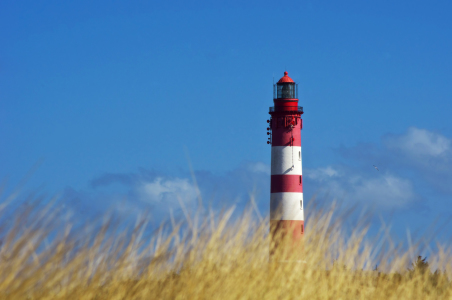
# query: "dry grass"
[[206, 258]]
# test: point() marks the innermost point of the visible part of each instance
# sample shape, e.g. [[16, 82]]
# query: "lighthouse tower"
[[284, 131]]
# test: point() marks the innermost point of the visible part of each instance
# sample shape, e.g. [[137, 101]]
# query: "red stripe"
[[283, 137], [293, 231], [286, 184], [282, 132], [285, 102], [296, 228], [282, 105]]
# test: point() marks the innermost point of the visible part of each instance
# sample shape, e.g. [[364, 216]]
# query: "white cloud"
[[420, 143], [168, 190], [426, 152], [384, 191], [388, 191], [425, 156], [321, 173], [259, 167]]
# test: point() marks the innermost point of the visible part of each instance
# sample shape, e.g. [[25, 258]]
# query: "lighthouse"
[[284, 136]]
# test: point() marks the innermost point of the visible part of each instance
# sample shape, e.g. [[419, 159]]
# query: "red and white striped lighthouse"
[[286, 195]]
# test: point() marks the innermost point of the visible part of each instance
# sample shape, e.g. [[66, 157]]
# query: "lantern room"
[[285, 88]]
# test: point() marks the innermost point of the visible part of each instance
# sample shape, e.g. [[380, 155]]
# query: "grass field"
[[208, 257]]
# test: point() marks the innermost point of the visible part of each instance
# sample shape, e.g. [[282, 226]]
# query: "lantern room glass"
[[286, 90]]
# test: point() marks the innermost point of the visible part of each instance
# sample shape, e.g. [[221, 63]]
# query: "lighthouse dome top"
[[286, 78]]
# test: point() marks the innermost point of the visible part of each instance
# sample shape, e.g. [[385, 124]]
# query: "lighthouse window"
[[286, 90], [301, 204], [299, 155]]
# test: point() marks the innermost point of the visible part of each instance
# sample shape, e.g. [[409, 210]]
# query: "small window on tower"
[[302, 228], [301, 204], [299, 155]]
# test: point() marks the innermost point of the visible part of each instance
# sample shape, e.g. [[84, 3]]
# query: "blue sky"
[[113, 97]]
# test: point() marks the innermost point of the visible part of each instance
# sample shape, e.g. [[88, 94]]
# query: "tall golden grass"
[[209, 257]]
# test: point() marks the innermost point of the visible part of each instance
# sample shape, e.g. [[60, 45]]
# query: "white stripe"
[[286, 206], [286, 160]]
